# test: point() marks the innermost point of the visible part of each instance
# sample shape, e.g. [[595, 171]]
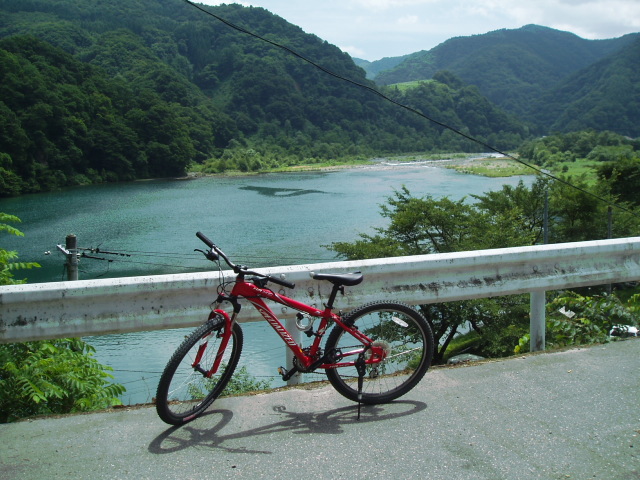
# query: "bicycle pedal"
[[282, 371]]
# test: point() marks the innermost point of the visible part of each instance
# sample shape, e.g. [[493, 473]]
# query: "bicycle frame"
[[309, 360]]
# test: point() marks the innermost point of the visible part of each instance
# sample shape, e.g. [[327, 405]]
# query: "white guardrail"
[[118, 305]]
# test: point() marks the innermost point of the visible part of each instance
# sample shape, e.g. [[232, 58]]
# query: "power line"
[[406, 107], [129, 257]]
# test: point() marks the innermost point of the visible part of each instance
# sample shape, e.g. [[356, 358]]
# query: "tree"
[[623, 178], [426, 225]]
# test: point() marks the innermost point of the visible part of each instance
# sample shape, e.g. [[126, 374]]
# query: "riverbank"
[[492, 166], [482, 164]]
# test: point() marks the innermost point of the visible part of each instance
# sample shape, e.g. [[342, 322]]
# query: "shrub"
[[51, 377], [575, 319]]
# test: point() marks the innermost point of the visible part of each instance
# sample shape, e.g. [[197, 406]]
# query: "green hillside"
[[512, 68], [603, 96], [104, 91]]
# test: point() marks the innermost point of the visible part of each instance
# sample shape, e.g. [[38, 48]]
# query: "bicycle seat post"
[[338, 281], [334, 292]]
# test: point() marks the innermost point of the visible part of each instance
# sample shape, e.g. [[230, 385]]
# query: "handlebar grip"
[[204, 238], [284, 283]]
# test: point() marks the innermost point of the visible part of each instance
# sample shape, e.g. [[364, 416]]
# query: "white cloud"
[[379, 5], [353, 51], [407, 20]]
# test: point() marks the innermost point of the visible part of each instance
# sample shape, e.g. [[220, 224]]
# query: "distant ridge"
[[604, 95], [511, 67]]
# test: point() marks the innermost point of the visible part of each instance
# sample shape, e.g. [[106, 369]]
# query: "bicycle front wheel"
[[185, 391], [406, 339]]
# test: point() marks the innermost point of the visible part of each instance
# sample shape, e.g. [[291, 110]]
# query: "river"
[[258, 220]]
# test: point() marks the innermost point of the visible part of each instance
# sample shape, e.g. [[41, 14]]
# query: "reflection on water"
[[279, 192]]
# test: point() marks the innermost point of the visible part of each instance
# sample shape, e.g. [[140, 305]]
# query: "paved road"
[[568, 415]]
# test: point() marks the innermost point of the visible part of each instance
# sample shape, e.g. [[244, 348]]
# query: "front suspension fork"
[[225, 335]]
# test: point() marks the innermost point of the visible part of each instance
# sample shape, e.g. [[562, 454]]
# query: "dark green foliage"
[[616, 160], [623, 176], [65, 123], [462, 107], [599, 146], [51, 377], [602, 96]]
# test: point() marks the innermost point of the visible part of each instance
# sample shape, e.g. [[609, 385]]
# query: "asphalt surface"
[[567, 415]]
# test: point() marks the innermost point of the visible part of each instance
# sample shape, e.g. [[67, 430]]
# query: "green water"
[[273, 219]]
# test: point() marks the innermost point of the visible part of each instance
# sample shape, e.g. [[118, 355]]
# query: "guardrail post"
[[537, 321]]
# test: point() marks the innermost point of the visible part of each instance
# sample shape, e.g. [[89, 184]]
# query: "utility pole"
[[71, 251]]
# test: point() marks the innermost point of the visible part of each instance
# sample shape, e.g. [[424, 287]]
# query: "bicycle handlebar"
[[215, 252], [204, 238]]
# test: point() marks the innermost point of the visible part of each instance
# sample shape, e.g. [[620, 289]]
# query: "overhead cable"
[[401, 105]]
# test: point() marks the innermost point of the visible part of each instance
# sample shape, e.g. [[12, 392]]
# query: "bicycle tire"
[[183, 392], [407, 339]]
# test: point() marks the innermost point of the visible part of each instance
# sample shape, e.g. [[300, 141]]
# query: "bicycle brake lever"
[[210, 255]]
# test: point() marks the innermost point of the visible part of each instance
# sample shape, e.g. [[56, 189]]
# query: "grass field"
[[579, 168], [506, 167], [493, 167], [409, 85]]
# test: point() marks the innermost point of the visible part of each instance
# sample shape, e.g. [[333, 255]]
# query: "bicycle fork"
[[226, 324]]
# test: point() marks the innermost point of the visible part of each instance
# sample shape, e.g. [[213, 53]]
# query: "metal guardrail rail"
[[119, 305]]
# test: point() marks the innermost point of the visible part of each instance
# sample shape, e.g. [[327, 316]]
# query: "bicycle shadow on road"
[[207, 430]]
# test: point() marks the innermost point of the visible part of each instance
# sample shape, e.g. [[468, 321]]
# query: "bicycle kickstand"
[[360, 368]]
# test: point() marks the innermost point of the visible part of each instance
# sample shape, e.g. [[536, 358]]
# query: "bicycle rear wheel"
[[184, 392], [404, 335]]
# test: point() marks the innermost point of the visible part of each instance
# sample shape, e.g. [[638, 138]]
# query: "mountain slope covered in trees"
[[603, 96], [135, 89], [513, 68]]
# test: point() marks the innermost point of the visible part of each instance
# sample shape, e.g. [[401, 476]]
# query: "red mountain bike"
[[374, 354]]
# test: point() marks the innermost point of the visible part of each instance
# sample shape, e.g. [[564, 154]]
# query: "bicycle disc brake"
[[378, 352]]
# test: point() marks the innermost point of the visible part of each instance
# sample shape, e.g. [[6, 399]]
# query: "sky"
[[374, 29]]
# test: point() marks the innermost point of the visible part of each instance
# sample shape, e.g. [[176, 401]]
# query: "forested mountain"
[[105, 91], [605, 95], [513, 68], [102, 91]]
